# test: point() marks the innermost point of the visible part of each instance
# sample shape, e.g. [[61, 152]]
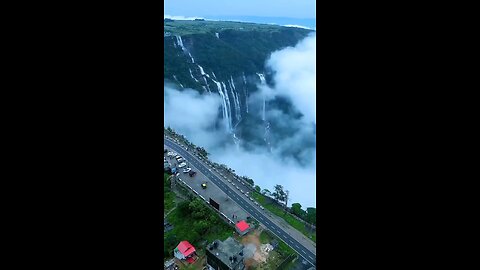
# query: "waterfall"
[[238, 111], [236, 100], [236, 141], [203, 72], [229, 107], [208, 88], [246, 91], [192, 75], [233, 84], [266, 123], [175, 77], [203, 76], [225, 106], [191, 58], [180, 43], [262, 81]]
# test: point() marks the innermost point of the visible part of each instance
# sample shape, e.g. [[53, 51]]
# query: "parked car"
[[183, 164], [261, 207], [256, 203], [229, 180], [186, 170], [180, 159], [204, 185]]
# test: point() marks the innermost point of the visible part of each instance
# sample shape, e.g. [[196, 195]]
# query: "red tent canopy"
[[186, 248], [242, 225]]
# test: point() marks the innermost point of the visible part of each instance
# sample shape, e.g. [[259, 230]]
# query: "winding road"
[[257, 213]]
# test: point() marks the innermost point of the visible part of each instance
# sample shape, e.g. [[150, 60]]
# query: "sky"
[[302, 9]]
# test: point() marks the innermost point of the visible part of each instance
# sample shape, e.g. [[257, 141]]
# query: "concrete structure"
[[226, 255]]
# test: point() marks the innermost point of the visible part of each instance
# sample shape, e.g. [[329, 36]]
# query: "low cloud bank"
[[298, 26], [181, 18], [295, 76]]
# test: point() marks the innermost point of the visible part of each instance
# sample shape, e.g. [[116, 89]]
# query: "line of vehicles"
[[183, 164]]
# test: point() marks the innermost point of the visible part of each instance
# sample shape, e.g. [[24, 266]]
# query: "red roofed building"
[[185, 251], [242, 227]]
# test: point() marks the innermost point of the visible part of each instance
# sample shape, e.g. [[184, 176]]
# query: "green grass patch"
[[284, 249], [166, 180], [169, 196], [280, 212], [198, 230], [265, 237], [291, 264], [258, 197], [169, 201]]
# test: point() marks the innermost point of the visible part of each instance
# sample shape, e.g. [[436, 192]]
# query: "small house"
[[185, 251]]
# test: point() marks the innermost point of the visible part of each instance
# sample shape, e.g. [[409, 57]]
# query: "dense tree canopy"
[[279, 194], [312, 215]]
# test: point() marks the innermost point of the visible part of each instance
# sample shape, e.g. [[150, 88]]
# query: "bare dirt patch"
[[253, 249]]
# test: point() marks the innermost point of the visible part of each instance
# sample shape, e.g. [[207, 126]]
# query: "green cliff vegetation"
[[242, 48], [185, 27], [277, 210]]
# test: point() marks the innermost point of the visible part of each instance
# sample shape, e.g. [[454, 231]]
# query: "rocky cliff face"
[[226, 59]]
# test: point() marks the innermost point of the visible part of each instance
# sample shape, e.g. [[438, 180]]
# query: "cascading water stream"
[[263, 82], [225, 107]]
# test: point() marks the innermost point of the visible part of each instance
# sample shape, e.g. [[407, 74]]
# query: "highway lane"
[[243, 202]]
